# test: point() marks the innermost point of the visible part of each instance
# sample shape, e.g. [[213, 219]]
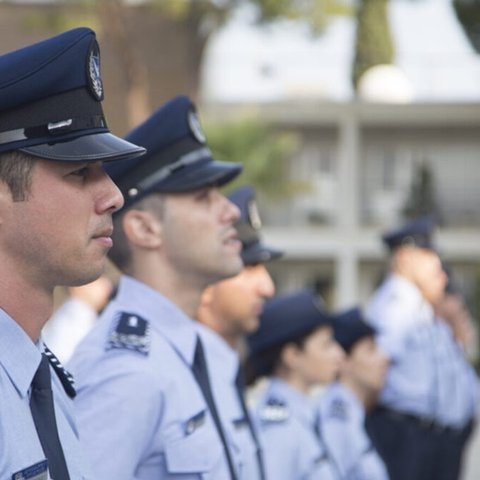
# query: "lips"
[[103, 236], [105, 232], [231, 238]]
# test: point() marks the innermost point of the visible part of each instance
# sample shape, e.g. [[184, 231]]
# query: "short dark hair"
[[121, 253], [266, 363], [16, 171]]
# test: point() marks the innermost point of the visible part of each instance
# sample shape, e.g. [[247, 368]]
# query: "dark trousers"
[[408, 448], [450, 456]]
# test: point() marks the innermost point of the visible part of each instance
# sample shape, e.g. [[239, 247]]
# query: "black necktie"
[[200, 372], [43, 413], [240, 384]]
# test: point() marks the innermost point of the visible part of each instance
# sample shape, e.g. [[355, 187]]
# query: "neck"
[[365, 396], [208, 317], [30, 306], [184, 293], [295, 381]]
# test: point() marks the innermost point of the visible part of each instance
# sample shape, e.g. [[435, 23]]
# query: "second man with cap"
[[145, 405]]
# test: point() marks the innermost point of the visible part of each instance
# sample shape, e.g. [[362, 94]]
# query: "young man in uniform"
[[56, 204], [230, 310], [145, 405]]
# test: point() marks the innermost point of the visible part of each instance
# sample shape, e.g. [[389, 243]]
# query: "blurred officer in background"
[[144, 403], [344, 404], [404, 427], [56, 204], [458, 382], [230, 309], [294, 347]]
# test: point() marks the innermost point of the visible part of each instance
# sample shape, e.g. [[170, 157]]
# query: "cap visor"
[[211, 173], [259, 253], [89, 148]]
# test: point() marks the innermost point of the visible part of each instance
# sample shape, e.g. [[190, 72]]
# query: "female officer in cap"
[[343, 406], [294, 347]]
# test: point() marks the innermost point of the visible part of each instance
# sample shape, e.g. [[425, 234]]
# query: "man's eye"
[[204, 195], [81, 172]]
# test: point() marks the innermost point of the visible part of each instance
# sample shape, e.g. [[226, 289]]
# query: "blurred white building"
[[359, 156]]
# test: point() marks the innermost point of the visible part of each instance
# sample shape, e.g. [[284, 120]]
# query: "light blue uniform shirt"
[[405, 325], [292, 449], [223, 363], [140, 410], [20, 447], [342, 419], [458, 383]]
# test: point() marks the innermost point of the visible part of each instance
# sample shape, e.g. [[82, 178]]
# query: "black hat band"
[[53, 129], [188, 159], [147, 174]]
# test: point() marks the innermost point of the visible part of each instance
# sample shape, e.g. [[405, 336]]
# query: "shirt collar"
[[300, 405], [19, 356], [163, 315]]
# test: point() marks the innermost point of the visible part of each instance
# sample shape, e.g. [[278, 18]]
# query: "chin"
[[84, 277]]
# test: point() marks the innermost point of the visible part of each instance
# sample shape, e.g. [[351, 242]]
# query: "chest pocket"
[[194, 448]]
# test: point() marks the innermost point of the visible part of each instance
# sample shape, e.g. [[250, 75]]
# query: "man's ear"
[[142, 228]]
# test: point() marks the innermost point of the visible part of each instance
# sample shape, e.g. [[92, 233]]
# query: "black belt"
[[422, 422]]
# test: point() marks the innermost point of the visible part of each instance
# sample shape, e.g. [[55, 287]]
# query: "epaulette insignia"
[[338, 409], [274, 411], [132, 332]]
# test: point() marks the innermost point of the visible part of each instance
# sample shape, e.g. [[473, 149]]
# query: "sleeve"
[[340, 443], [117, 413], [393, 321]]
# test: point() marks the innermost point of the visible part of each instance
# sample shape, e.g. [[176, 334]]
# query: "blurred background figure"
[[74, 318], [405, 427], [458, 383], [343, 406], [294, 347], [228, 311]]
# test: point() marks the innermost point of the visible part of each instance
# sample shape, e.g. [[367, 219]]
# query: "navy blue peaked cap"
[[417, 233], [50, 101], [287, 317], [178, 158], [248, 228], [349, 327]]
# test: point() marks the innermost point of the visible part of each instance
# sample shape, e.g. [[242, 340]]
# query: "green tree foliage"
[[373, 43], [468, 14], [264, 152], [315, 12], [421, 199]]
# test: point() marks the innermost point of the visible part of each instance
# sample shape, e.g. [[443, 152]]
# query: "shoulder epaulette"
[[131, 332], [274, 410], [338, 409]]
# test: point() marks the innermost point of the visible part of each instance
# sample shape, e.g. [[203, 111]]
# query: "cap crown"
[[286, 317]]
